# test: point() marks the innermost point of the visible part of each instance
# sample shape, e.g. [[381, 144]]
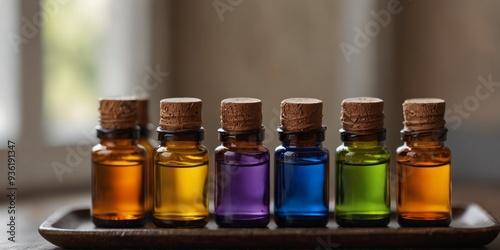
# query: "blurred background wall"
[[400, 49], [451, 49], [269, 50]]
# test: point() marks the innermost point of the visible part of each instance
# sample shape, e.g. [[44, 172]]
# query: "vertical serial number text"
[[11, 190]]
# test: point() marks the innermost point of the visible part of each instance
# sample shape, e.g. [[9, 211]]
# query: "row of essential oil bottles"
[[170, 183]]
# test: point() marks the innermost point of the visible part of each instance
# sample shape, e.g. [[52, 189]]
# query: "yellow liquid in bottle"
[[181, 187]]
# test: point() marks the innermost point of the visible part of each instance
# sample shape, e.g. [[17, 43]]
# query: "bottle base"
[[238, 221], [404, 222], [119, 223], [378, 222], [301, 221], [201, 222]]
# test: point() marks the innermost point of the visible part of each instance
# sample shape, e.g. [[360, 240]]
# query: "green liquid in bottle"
[[362, 185]]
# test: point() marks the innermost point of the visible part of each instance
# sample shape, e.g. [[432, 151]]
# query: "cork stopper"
[[118, 113], [241, 114], [177, 114], [301, 114], [424, 114], [362, 114], [142, 112]]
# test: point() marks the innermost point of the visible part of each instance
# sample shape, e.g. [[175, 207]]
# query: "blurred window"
[[57, 57], [9, 71], [91, 48]]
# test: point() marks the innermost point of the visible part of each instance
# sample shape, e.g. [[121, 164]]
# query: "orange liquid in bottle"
[[148, 145], [424, 193], [118, 191], [423, 166], [121, 196]]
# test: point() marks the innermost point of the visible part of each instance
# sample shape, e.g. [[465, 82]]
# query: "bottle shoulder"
[[257, 149], [147, 143], [362, 155], [417, 155], [441, 149], [131, 153], [196, 149], [119, 149], [283, 150], [344, 149], [241, 156], [191, 156], [307, 156]]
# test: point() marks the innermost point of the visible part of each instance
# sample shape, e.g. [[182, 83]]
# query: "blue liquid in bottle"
[[301, 180]]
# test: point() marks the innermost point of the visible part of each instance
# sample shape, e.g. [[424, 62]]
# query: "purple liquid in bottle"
[[242, 187]]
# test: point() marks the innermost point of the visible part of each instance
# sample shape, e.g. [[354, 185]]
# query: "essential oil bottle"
[[423, 166], [241, 166], [362, 195], [118, 167], [301, 166], [147, 143], [181, 166]]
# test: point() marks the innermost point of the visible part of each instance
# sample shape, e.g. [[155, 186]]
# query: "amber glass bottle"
[[423, 166], [362, 197], [149, 144], [181, 166], [118, 167]]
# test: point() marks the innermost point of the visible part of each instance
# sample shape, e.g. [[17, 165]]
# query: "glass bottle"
[[181, 166], [301, 173], [149, 144], [362, 165], [118, 167], [423, 166], [241, 166]]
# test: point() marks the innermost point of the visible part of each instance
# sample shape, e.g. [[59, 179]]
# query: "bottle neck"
[[143, 131], [118, 137], [310, 138], [366, 138], [242, 138], [180, 138], [432, 138]]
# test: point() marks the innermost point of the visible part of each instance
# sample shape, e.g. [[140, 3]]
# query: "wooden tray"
[[71, 228]]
